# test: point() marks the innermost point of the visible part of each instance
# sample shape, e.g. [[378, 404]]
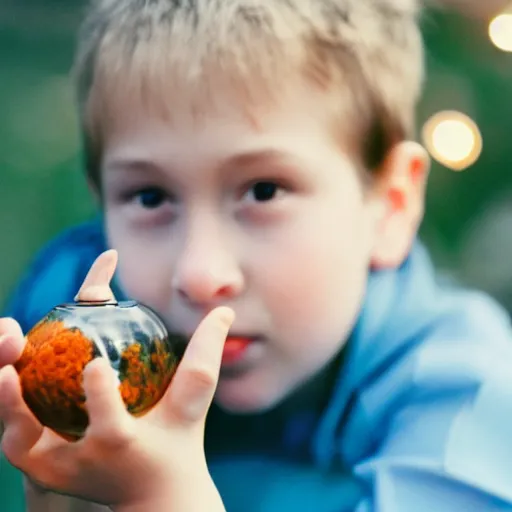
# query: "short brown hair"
[[371, 49]]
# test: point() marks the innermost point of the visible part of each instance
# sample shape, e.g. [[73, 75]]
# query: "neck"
[[288, 427]]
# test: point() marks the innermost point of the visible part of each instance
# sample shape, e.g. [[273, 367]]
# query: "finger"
[[37, 451], [108, 417], [21, 429], [191, 392], [96, 285], [12, 341]]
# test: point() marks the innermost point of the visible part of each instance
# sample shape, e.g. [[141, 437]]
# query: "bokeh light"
[[500, 31], [453, 139]]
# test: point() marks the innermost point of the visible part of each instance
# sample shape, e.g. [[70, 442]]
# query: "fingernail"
[[226, 315], [95, 293]]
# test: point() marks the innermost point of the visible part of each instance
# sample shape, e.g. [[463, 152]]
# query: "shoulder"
[[418, 341], [56, 272], [424, 403]]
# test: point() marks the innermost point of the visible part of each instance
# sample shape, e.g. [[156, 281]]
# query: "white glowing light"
[[453, 139], [500, 31]]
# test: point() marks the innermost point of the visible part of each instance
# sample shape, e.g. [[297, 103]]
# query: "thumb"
[[193, 386]]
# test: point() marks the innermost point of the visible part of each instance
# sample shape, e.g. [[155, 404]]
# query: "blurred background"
[[465, 120]]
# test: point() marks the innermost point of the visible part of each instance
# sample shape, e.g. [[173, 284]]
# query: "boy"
[[257, 155]]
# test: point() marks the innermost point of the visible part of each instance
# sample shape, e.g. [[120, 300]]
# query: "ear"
[[401, 191]]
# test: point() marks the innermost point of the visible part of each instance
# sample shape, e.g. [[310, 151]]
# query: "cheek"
[[143, 270], [315, 291], [142, 282]]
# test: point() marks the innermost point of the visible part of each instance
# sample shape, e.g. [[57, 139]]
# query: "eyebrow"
[[252, 158], [132, 164], [240, 160]]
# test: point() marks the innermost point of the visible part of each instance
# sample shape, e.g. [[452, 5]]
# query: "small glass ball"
[[130, 335]]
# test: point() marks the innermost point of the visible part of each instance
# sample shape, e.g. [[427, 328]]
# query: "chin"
[[233, 398]]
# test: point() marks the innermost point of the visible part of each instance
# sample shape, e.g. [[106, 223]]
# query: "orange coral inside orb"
[[50, 371], [145, 382]]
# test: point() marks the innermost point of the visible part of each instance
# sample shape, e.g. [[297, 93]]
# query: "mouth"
[[235, 348], [241, 354]]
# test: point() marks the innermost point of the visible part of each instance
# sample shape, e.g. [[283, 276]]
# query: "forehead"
[[227, 140], [196, 133], [153, 84]]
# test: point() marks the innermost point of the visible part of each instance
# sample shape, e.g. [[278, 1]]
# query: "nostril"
[[206, 296], [224, 291]]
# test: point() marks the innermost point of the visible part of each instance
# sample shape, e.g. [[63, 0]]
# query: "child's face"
[[262, 213]]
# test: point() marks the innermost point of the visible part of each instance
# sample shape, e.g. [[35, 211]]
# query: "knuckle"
[[115, 436], [200, 379], [9, 448], [9, 452], [42, 481]]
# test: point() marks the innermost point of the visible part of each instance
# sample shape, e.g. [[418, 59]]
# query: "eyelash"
[[162, 196], [135, 195], [264, 184]]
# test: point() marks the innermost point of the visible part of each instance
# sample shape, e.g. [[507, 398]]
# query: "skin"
[[183, 205], [261, 212]]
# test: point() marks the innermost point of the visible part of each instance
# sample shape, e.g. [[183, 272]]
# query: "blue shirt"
[[414, 415]]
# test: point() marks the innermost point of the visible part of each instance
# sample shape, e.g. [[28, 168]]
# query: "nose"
[[207, 270]]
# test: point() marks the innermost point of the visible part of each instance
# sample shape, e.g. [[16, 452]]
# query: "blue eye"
[[264, 190], [151, 198]]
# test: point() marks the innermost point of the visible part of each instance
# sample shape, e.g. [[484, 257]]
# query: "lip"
[[242, 335], [182, 338], [231, 334], [235, 347], [235, 366]]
